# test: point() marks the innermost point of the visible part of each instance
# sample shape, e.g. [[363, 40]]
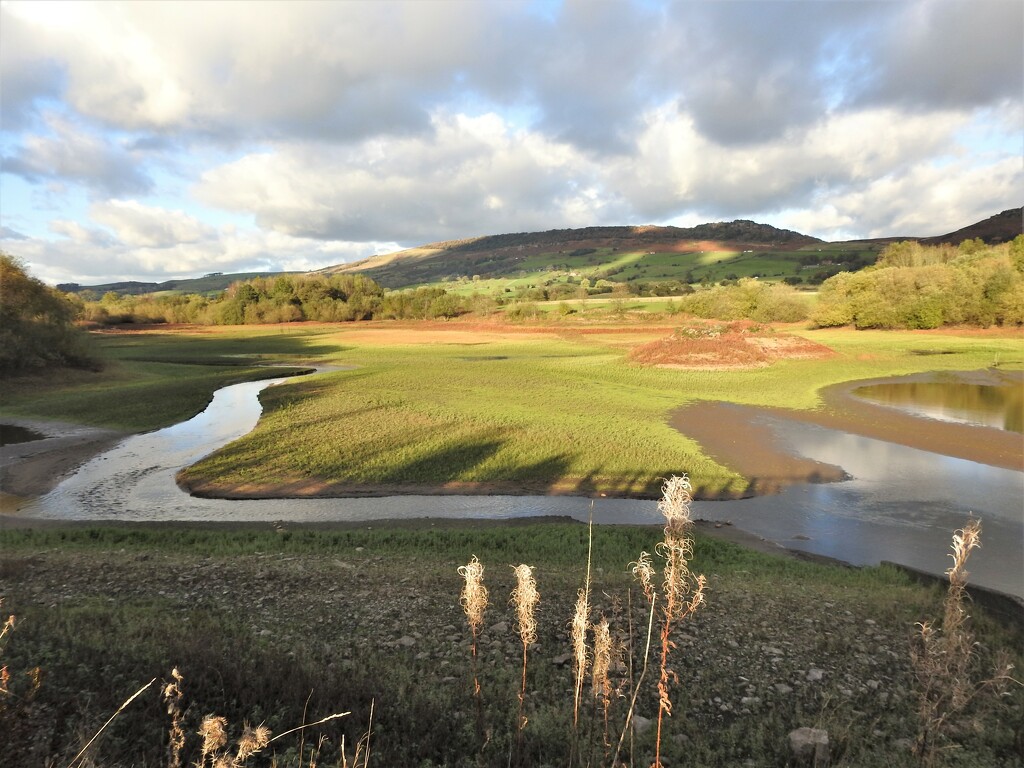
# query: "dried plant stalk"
[[578, 634], [524, 599], [172, 695], [474, 603], [600, 676], [580, 625], [683, 594], [943, 659]]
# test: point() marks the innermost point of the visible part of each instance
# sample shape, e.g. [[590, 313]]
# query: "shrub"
[[36, 324]]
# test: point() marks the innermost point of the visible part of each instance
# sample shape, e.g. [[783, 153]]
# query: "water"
[[901, 505], [11, 434], [1001, 407]]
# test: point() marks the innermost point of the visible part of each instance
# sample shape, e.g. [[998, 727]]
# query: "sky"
[[151, 141]]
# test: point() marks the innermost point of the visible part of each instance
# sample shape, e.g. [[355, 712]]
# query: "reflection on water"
[[901, 505], [11, 434], [988, 406]]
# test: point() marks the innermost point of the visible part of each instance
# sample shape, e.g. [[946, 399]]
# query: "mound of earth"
[[726, 345]]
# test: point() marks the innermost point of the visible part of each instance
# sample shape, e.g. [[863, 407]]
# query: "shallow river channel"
[[901, 504]]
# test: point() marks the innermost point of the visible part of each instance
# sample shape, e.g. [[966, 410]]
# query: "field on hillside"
[[285, 627], [564, 269]]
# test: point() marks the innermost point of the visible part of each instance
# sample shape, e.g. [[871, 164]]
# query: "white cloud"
[[415, 188], [71, 154], [138, 225], [89, 255], [368, 122]]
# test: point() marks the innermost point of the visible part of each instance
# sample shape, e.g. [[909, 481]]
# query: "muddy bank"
[[731, 434], [36, 467]]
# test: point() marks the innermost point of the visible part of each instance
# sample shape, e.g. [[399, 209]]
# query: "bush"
[[36, 324], [915, 286]]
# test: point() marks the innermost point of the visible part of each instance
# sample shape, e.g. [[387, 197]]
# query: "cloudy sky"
[[146, 140]]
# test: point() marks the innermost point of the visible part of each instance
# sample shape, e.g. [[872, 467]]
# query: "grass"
[[553, 268], [266, 625], [154, 380], [460, 406], [555, 412]]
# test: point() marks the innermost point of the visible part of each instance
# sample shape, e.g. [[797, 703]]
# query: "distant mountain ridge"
[[504, 254], [1000, 228], [482, 254], [212, 282]]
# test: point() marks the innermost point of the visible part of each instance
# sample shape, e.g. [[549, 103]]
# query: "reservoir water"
[[901, 504]]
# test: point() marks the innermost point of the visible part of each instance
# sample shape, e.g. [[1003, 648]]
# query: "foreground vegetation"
[[285, 627]]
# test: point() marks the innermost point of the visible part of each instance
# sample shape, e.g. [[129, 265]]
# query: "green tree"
[[36, 324]]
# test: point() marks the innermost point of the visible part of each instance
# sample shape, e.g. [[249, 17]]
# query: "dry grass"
[[474, 603], [682, 592], [945, 662], [524, 600]]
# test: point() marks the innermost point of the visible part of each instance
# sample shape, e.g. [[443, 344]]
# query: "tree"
[[36, 324]]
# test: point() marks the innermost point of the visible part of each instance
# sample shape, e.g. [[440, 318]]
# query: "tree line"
[[281, 299], [917, 286]]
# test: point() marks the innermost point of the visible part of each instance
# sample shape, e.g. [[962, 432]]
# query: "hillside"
[[619, 253], [211, 283], [1000, 228], [571, 262]]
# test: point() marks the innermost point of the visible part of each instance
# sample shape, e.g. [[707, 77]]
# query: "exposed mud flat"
[[731, 434], [35, 467]]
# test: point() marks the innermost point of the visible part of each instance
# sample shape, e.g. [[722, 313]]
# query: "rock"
[[500, 627], [641, 724], [563, 660], [407, 641], [809, 746], [815, 675], [782, 689]]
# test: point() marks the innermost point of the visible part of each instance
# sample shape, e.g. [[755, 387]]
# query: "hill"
[[619, 253], [211, 283], [563, 263], [1000, 228]]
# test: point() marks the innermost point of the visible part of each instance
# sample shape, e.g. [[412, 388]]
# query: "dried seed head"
[[214, 733], [675, 505], [964, 540], [252, 741], [602, 686], [524, 599], [643, 569], [474, 593]]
